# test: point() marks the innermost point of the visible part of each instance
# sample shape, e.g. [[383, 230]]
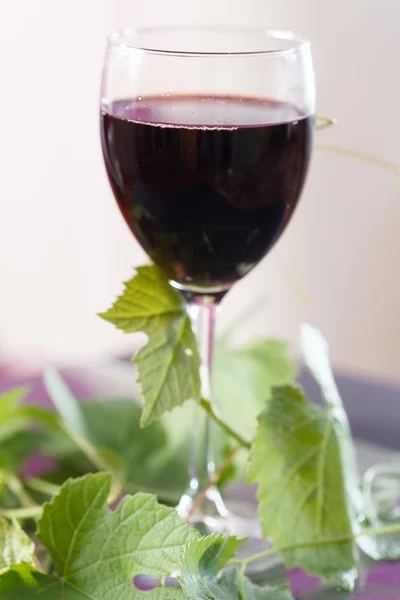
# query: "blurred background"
[[65, 250]]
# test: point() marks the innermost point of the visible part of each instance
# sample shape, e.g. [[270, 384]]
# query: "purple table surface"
[[382, 582]]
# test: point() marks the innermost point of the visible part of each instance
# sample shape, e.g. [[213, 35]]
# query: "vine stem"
[[369, 158], [364, 532], [241, 578], [39, 485], [324, 122], [214, 479], [16, 486], [212, 413], [32, 512]]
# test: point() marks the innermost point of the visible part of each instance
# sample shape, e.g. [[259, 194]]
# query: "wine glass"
[[206, 135]]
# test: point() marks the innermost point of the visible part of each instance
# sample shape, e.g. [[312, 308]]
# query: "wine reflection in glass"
[[206, 135]]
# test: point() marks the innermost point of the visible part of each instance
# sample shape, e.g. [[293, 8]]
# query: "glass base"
[[206, 511]]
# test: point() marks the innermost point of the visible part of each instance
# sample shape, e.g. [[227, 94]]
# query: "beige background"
[[64, 248]]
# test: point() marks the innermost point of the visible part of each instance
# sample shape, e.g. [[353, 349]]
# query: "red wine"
[[206, 185]]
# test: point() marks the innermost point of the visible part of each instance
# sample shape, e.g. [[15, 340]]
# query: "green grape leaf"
[[16, 450], [96, 552], [168, 366], [267, 592], [247, 374], [17, 442], [72, 423], [113, 424], [156, 457], [25, 583], [15, 545], [201, 564], [315, 352], [15, 419], [296, 459]]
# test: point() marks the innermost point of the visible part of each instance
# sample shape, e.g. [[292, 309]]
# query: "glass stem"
[[202, 313], [202, 317]]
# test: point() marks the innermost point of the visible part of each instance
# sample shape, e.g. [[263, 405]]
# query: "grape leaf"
[[17, 442], [15, 545], [247, 373], [16, 418], [267, 592], [168, 366], [297, 461], [23, 583], [97, 552], [16, 450], [315, 352], [136, 446], [201, 563], [156, 457], [73, 424], [113, 424]]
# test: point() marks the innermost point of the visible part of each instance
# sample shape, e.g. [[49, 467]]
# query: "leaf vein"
[[79, 526], [123, 522], [119, 557], [178, 338], [321, 475], [284, 485]]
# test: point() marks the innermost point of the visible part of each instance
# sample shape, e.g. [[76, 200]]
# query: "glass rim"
[[124, 39]]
